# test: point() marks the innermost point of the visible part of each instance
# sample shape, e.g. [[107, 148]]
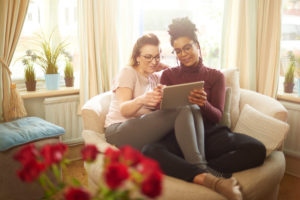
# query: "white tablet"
[[175, 96]]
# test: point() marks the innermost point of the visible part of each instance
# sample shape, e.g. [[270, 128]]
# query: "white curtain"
[[251, 42], [106, 35]]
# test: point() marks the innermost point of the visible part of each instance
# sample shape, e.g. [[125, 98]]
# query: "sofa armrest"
[[94, 112], [91, 137], [264, 104]]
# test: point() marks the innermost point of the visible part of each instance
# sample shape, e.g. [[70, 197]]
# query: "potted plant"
[[289, 75], [69, 74], [47, 56], [29, 74]]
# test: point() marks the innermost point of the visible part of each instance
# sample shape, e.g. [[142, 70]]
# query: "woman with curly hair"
[[225, 151]]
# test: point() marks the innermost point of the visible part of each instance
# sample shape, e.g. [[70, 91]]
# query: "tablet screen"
[[175, 96]]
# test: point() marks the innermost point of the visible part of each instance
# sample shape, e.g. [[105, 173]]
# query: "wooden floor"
[[289, 187]]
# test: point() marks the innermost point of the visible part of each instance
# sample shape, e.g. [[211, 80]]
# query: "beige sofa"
[[260, 183]]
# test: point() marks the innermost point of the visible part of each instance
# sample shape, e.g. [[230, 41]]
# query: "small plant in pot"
[[29, 74], [69, 74], [47, 56], [289, 75]]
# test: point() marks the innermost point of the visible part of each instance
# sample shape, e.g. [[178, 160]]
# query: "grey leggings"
[[186, 121]]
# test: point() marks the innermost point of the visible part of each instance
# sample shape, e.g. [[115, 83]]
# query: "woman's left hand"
[[198, 96]]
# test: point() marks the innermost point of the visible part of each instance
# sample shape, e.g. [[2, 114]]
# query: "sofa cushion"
[[232, 81], [270, 131], [226, 121], [26, 130]]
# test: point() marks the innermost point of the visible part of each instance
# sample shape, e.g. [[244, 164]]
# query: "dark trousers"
[[225, 151]]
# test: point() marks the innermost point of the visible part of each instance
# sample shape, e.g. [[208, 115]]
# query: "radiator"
[[292, 143], [62, 111]]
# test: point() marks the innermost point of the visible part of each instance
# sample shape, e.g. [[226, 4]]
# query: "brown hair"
[[150, 39]]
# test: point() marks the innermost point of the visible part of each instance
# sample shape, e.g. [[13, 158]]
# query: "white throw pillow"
[[270, 131]]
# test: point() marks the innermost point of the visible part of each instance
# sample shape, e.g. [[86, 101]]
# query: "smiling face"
[[148, 59], [187, 51]]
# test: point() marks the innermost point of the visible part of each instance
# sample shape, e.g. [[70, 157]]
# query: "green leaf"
[[76, 182]]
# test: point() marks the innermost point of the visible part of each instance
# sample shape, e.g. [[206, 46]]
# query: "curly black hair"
[[182, 27]]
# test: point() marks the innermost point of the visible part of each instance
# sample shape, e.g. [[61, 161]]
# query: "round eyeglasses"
[[186, 48], [149, 58]]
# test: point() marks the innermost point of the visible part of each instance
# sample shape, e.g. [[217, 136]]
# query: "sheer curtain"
[[250, 42], [101, 24], [12, 16], [268, 46]]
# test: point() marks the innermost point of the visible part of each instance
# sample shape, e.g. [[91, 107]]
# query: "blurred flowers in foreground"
[[126, 171]]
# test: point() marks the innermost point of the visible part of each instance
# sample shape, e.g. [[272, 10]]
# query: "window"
[[206, 14], [290, 38], [47, 16]]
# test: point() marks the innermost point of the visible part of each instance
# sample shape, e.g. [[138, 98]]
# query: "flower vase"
[[52, 81]]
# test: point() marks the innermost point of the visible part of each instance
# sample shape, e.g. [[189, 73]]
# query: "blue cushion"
[[26, 130]]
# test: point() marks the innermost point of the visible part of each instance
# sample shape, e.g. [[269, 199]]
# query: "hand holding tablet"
[[175, 96]]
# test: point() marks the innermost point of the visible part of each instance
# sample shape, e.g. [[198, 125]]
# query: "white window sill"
[[49, 93]]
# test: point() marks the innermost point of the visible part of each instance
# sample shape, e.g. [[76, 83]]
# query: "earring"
[[138, 62]]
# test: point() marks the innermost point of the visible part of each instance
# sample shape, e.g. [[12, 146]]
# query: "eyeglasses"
[[186, 48], [149, 58]]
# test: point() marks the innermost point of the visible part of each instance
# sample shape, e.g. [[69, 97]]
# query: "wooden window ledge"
[[291, 97], [49, 93]]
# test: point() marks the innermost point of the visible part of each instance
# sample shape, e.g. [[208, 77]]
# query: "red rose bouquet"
[[125, 171]]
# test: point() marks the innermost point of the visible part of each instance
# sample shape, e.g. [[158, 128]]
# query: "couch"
[[260, 183], [11, 187], [13, 136]]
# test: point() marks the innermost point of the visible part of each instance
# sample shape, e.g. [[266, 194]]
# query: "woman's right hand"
[[150, 99]]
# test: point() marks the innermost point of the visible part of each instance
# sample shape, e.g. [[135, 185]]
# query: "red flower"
[[152, 184], [112, 154], [131, 156], [73, 193], [89, 153], [147, 166], [53, 153], [31, 171], [26, 154], [115, 174]]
